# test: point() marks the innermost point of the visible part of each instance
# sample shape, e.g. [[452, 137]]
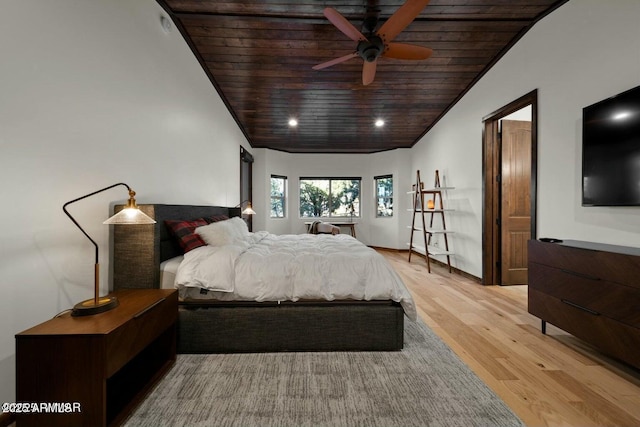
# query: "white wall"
[[267, 163], [94, 93], [583, 52], [391, 232]]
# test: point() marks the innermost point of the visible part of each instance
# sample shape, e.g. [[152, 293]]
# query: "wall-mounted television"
[[611, 151]]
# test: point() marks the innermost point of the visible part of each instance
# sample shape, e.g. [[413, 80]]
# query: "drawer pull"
[[584, 276], [142, 312], [573, 304]]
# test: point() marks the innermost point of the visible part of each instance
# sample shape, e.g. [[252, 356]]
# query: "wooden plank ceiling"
[[259, 54]]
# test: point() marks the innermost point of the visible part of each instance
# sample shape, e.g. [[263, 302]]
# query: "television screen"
[[611, 151]]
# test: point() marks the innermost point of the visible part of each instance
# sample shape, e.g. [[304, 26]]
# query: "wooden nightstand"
[[102, 365]]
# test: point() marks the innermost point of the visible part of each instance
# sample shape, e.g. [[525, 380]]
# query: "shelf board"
[[432, 190], [436, 189], [433, 250], [432, 230], [431, 210]]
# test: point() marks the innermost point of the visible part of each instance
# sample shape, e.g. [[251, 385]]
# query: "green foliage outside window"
[[278, 196], [384, 195], [330, 197]]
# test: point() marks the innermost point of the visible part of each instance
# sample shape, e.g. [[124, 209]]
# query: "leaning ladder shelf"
[[430, 209]]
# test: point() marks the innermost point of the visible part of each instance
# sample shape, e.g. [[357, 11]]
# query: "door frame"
[[491, 187]]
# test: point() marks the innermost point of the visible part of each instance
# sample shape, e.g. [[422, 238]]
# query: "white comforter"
[[268, 267]]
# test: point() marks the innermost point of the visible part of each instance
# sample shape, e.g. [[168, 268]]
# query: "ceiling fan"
[[378, 43]]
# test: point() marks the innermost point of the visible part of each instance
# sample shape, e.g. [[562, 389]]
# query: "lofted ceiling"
[[259, 54]]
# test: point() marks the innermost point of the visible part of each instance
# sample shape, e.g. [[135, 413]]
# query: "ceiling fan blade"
[[341, 23], [399, 20], [335, 61], [406, 51], [368, 72]]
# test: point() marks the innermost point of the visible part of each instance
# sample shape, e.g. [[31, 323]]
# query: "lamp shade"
[[130, 216], [248, 210]]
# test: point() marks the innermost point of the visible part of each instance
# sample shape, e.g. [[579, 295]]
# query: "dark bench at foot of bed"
[[322, 326]]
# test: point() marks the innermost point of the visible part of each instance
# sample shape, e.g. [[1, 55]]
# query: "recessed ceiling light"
[[293, 123], [379, 123]]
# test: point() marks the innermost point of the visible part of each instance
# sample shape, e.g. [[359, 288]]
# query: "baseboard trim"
[[444, 264], [7, 419]]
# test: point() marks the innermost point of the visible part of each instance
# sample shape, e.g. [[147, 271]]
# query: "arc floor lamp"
[[131, 214]]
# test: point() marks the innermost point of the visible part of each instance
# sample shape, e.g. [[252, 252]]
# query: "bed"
[[147, 256]]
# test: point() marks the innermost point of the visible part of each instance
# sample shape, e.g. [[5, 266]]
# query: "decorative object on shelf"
[[131, 214], [430, 248]]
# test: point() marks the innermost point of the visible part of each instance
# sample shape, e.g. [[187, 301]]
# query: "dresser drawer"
[[144, 327], [614, 267], [616, 301], [610, 336]]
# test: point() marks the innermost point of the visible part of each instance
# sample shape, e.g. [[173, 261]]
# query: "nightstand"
[[98, 367]]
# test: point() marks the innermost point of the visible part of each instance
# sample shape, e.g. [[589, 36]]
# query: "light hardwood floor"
[[552, 380]]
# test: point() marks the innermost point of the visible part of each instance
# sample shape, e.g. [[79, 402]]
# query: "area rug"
[[425, 384]]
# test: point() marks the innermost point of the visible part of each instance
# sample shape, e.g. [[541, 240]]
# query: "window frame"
[[283, 198], [330, 179], [377, 196]]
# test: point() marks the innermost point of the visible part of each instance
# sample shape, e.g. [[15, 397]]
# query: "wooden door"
[[246, 183], [515, 216]]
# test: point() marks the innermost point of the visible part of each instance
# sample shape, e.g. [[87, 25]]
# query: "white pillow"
[[225, 232]]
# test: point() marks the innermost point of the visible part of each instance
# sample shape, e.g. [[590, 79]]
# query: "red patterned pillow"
[[183, 232]]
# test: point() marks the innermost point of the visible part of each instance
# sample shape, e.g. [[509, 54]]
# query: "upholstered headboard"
[[138, 250]]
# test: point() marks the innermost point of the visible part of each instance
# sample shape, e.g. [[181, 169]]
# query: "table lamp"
[[131, 214], [248, 210]]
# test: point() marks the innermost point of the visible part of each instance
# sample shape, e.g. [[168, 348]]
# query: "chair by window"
[[319, 227]]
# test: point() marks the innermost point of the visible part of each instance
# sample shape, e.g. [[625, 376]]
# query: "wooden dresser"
[[96, 367], [590, 290]]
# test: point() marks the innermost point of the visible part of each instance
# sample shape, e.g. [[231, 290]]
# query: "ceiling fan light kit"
[[369, 50], [378, 43]]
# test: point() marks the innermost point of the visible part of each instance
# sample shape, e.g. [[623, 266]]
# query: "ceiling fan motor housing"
[[370, 49]]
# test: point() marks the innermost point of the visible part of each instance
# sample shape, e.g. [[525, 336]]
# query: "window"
[[384, 195], [278, 196], [330, 197]]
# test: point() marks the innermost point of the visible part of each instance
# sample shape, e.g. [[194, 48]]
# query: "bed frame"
[[229, 327]]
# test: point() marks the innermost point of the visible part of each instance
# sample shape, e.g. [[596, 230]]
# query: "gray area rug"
[[425, 384]]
